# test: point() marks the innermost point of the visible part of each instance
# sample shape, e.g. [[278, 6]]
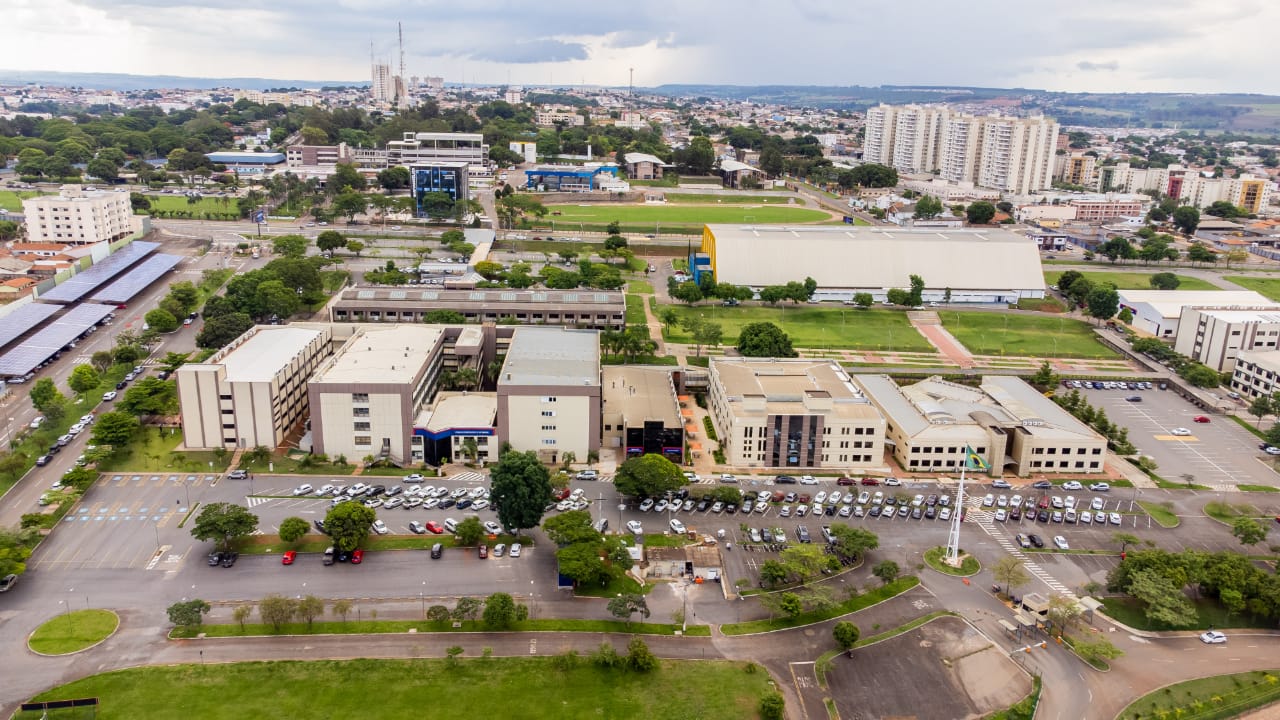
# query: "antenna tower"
[[400, 33]]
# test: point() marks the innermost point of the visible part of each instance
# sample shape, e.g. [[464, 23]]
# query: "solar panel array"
[[102, 271], [137, 280], [41, 346], [24, 320]]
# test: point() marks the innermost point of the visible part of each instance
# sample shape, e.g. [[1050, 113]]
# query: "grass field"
[[203, 205], [64, 633], [1024, 335], [526, 688], [1211, 698], [713, 199], [1209, 613], [635, 310], [1267, 286], [1134, 280], [152, 451], [813, 326], [968, 566], [677, 215], [11, 200], [854, 604]]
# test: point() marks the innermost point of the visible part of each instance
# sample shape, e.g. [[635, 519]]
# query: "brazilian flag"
[[974, 461]]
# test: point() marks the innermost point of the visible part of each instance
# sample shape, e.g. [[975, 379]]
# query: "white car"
[[784, 511], [1002, 501], [808, 480], [635, 527], [677, 527], [1001, 515], [1098, 504], [1114, 518], [458, 492], [892, 481], [480, 504], [726, 478], [380, 527], [877, 499], [414, 478], [764, 496], [1179, 431], [372, 503], [492, 528], [835, 498], [1061, 542], [1213, 637], [302, 490], [989, 500], [476, 492], [1086, 517], [514, 551], [944, 514], [821, 497], [1015, 501], [1271, 450], [109, 396], [661, 506], [762, 507], [1100, 487], [1072, 485], [918, 500], [356, 489], [718, 507]]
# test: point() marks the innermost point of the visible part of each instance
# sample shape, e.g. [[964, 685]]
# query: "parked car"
[[417, 528], [357, 557], [677, 527], [1213, 637], [215, 559], [492, 527], [1072, 485], [1001, 484], [434, 527], [636, 527], [288, 557], [588, 475], [380, 527], [229, 558], [303, 489], [1035, 540], [1100, 487]]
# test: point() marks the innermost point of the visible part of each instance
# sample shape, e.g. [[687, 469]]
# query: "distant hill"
[[121, 81]]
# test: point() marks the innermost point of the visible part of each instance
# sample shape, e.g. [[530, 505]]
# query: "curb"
[[74, 652]]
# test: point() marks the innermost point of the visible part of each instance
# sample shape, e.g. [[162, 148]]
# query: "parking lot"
[[1217, 453]]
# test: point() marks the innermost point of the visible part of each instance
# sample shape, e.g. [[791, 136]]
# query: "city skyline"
[[1091, 46]]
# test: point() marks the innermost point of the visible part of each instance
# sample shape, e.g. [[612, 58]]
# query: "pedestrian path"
[[466, 477], [986, 520]]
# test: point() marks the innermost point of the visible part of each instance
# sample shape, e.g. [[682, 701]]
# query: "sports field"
[[1132, 280], [1024, 335], [681, 214], [811, 326], [527, 688], [723, 199], [1265, 285]]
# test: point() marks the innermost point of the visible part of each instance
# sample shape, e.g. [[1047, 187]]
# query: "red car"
[[844, 481], [435, 528], [560, 494], [357, 557], [1200, 419], [288, 557], [804, 498], [779, 496], [484, 551], [869, 481]]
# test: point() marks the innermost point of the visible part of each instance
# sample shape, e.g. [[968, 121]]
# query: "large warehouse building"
[[963, 266]]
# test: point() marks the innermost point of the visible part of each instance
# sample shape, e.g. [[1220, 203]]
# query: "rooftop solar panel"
[[102, 271], [23, 320], [137, 279], [41, 346]]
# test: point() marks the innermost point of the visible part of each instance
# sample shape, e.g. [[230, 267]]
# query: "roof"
[[635, 157], [1169, 303], [639, 394], [552, 356], [447, 298], [790, 387], [875, 257], [246, 158], [459, 411], [735, 166], [265, 352], [1267, 359], [391, 354], [1233, 315]]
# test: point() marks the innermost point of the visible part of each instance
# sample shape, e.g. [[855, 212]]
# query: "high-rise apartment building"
[[1249, 192]]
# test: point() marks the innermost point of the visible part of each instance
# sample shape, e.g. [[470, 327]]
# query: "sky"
[[1068, 45]]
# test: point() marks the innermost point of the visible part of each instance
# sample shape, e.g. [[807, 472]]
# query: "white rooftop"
[[394, 354], [552, 356], [270, 348], [459, 411], [1169, 303]]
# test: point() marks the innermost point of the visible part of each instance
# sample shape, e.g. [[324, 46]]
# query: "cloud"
[[531, 51], [1087, 66]]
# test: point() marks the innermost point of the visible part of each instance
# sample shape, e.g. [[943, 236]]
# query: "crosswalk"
[[467, 477], [986, 521]]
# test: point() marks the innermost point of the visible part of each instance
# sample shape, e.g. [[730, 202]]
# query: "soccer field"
[[681, 214], [812, 326]]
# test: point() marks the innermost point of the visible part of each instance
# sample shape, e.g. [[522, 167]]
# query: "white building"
[[253, 391], [1215, 336], [1158, 311], [1249, 192], [76, 216], [1257, 373], [549, 395]]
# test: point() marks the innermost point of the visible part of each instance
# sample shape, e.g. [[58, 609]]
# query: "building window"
[[359, 397], [548, 399], [1097, 451], [548, 441], [363, 440], [548, 413], [1094, 465], [360, 412], [549, 427], [362, 426]]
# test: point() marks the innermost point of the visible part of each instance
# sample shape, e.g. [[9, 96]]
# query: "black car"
[[784, 480], [320, 526], [874, 511], [931, 501], [394, 490], [703, 505], [376, 490], [1035, 540], [229, 559], [831, 510], [344, 555], [1042, 484], [120, 385], [1015, 514], [767, 535], [447, 503], [931, 512], [43, 460], [802, 534], [890, 501], [464, 503], [54, 450], [731, 508], [215, 559], [1043, 516], [682, 494]]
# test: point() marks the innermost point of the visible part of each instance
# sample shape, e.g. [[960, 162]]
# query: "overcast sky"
[[1073, 45]]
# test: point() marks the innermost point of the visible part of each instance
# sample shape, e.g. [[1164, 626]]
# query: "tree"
[[852, 542], [438, 614], [846, 635], [150, 396], [348, 524], [870, 175], [1103, 302], [1186, 219], [221, 330], [917, 291], [1044, 378], [863, 300], [84, 379], [309, 608], [189, 613], [898, 296], [330, 240], [355, 246], [101, 360], [241, 614], [980, 213], [349, 204], [1248, 531], [467, 608], [469, 531], [1117, 248], [520, 489], [345, 177], [1164, 281], [687, 292], [669, 317], [1198, 253], [774, 573], [764, 339], [773, 706], [787, 603], [293, 528], [1163, 600], [649, 475], [1261, 406], [394, 178], [291, 246], [1010, 572], [161, 320], [276, 610], [639, 658], [224, 522], [928, 207], [886, 570], [1124, 540], [1063, 610], [499, 611], [1095, 648], [804, 561], [582, 562], [628, 604], [707, 333], [1066, 279], [771, 161], [571, 528], [1125, 316], [115, 428], [45, 395]]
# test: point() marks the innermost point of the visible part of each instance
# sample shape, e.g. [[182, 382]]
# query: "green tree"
[[189, 613], [345, 177], [853, 542], [1010, 572], [628, 604], [772, 162], [917, 291], [467, 608], [649, 475], [223, 522], [774, 573], [1186, 219], [1044, 378], [707, 333], [1124, 540], [241, 615], [355, 246], [330, 240], [438, 614], [583, 563], [1248, 531], [101, 360], [872, 175], [669, 317], [115, 428], [805, 561], [469, 532], [150, 396], [291, 246], [499, 612], [1095, 648], [84, 379], [1165, 281], [349, 204], [1103, 302], [764, 339], [394, 178], [520, 489], [1260, 407], [639, 658], [1198, 253], [348, 524], [293, 528], [927, 207], [773, 706], [886, 570], [846, 635], [45, 395], [161, 320], [863, 300], [309, 608], [185, 294], [1163, 601], [15, 548], [980, 213], [1117, 248], [220, 331], [444, 317], [1125, 316], [700, 156], [276, 610], [571, 528]]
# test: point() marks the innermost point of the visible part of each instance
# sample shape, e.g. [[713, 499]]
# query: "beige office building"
[[365, 398], [641, 412], [1257, 373], [1215, 336], [1005, 421], [793, 414], [549, 392], [76, 216], [253, 391]]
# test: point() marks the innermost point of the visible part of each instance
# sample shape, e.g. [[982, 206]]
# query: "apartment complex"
[[1257, 373], [1076, 169], [549, 392], [1248, 192], [76, 216], [253, 391], [546, 117], [797, 414], [1010, 154], [1216, 336], [1004, 421], [365, 398], [641, 412]]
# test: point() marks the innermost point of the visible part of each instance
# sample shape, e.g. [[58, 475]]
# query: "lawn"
[[811, 326], [375, 627], [1160, 514], [1024, 335], [714, 199], [1265, 285], [1209, 613], [680, 215], [526, 688], [1133, 280], [640, 287], [860, 602], [1211, 698], [969, 564], [216, 206], [153, 451], [11, 200], [65, 633], [635, 310]]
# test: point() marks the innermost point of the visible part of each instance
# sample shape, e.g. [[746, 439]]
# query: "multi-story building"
[[1257, 373], [575, 308], [76, 216], [1159, 312], [549, 393], [430, 147], [1249, 192], [450, 177], [1101, 210], [793, 414], [547, 117], [1215, 336], [933, 426], [1076, 169], [253, 391], [1016, 155], [641, 412], [308, 156]]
